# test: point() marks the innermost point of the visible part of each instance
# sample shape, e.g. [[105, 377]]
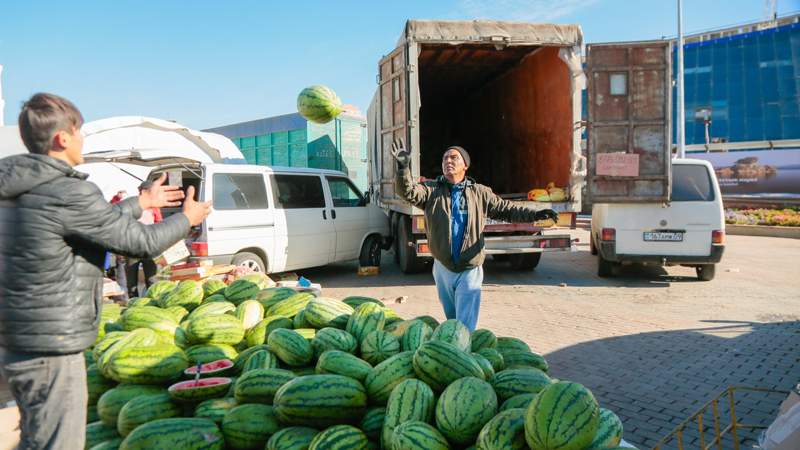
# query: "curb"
[[763, 230]]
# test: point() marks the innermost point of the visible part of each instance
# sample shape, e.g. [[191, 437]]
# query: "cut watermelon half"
[[199, 390], [212, 369]]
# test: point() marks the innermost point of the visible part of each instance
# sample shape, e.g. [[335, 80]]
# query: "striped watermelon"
[[324, 312], [214, 409], [98, 432], [494, 357], [518, 401], [305, 370], [290, 347], [398, 327], [366, 318], [188, 293], [147, 365], [416, 334], [178, 312], [209, 353], [341, 363], [438, 364], [216, 368], [109, 314], [357, 300], [292, 438], [262, 359], [261, 279], [241, 290], [111, 402], [507, 343], [291, 305], [213, 286], [218, 297], [506, 431], [144, 409], [160, 288], [105, 343], [486, 366], [111, 444], [307, 333], [211, 309], [431, 321], [453, 332], [320, 401], [249, 426], [143, 337], [199, 390], [152, 317], [464, 408], [96, 384], [378, 346], [388, 374], [515, 359], [272, 296], [333, 339], [416, 435], [91, 414], [482, 338], [260, 385], [410, 400], [218, 329], [250, 312], [300, 321], [563, 416], [258, 334], [372, 423], [319, 104], [510, 382], [340, 437], [241, 359], [141, 301], [175, 433], [609, 431]]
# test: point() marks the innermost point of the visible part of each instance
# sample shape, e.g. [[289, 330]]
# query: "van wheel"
[[370, 252], [407, 254], [706, 272], [592, 247], [524, 261], [249, 260], [605, 268]]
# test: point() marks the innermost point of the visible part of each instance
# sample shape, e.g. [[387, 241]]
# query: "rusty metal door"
[[630, 112], [392, 115]]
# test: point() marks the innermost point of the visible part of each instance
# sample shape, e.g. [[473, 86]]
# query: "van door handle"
[[324, 215], [333, 214]]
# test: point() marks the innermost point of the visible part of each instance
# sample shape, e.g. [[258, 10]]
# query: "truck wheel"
[[407, 254], [706, 272], [251, 261], [592, 247], [370, 252], [605, 268], [524, 261]]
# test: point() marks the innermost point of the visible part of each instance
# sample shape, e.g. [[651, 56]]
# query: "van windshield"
[[691, 183]]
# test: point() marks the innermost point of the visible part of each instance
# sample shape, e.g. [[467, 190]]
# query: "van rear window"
[[239, 191], [691, 183]]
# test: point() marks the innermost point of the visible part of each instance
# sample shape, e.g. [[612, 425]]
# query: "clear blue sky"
[[206, 63]]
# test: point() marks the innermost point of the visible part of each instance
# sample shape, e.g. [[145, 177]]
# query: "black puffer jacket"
[[54, 230]]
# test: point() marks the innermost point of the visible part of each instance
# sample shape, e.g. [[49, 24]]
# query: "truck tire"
[[592, 247], [605, 268], [524, 261], [706, 272], [407, 254], [370, 252], [250, 260]]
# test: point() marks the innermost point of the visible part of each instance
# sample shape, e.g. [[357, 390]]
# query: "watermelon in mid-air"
[[319, 104]]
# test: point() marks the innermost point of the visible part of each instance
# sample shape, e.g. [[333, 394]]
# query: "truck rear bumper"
[[609, 252], [506, 245]]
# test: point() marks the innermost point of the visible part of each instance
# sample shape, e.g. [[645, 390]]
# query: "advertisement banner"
[[773, 173]]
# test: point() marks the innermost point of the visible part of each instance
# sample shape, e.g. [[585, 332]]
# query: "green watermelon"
[[262, 359], [431, 321], [272, 296], [99, 432], [105, 343], [240, 360], [259, 333], [178, 312], [219, 329], [494, 357], [324, 312], [199, 390], [109, 314], [510, 382], [372, 423], [453, 332], [387, 375], [211, 309], [111, 444], [482, 338], [249, 426], [378, 346], [609, 431], [214, 408], [142, 301], [218, 297], [507, 343], [188, 293], [416, 435], [357, 300], [260, 385], [415, 335], [410, 400], [300, 321], [506, 431], [292, 438], [563, 416], [342, 363], [144, 409], [320, 401], [91, 414], [142, 337], [340, 437], [160, 288], [486, 366], [216, 368], [366, 318], [464, 408], [152, 317], [438, 364], [515, 359], [290, 306], [518, 401], [261, 279], [213, 286], [96, 384], [307, 333], [250, 312], [333, 339], [241, 290], [112, 401], [319, 104], [147, 365], [290, 347], [209, 353], [175, 433]]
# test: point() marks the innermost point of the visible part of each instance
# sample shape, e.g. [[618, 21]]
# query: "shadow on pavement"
[[654, 381]]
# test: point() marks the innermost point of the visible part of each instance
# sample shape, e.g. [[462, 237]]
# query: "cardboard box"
[[172, 255]]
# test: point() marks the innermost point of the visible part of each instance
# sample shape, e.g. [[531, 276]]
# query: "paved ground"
[[653, 345]]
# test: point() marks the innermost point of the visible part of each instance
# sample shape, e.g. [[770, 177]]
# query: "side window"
[[297, 191], [344, 194], [239, 191]]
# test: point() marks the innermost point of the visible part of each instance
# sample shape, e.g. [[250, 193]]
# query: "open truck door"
[[629, 127]]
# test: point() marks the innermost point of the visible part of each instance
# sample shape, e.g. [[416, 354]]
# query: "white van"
[[689, 231]]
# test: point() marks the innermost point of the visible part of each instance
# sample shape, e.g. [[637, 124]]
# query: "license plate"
[[668, 236]]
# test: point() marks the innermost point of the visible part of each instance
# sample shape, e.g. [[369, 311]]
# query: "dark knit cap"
[[464, 154]]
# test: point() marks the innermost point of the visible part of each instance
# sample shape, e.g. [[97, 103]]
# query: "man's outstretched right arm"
[[409, 190]]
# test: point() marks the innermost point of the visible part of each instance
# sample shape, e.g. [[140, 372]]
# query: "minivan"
[[687, 231]]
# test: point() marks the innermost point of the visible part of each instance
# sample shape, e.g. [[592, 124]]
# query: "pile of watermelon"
[[245, 366]]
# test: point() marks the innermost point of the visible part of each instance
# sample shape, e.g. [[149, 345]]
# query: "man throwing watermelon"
[[55, 229], [456, 208]]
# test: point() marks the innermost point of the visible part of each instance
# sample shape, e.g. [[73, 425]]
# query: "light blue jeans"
[[459, 293]]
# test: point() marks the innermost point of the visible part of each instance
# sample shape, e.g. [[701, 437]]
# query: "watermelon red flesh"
[[199, 390], [209, 369]]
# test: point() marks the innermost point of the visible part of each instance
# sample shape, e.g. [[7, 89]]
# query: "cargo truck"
[[510, 93]]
